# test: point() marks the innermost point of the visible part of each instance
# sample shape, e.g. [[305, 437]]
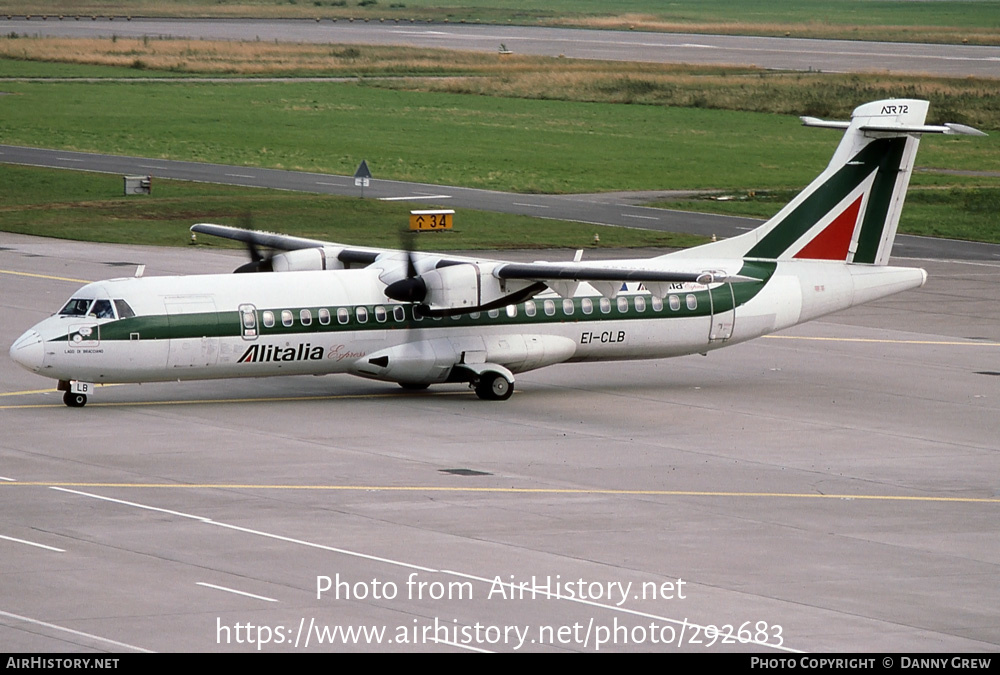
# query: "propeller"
[[411, 288], [259, 262]]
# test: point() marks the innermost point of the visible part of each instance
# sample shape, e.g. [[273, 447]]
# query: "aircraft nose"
[[28, 351]]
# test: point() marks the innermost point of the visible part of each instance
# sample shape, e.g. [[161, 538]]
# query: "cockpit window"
[[102, 309], [124, 311], [76, 307]]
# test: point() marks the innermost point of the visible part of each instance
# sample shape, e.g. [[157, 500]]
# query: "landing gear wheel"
[[494, 387], [74, 400]]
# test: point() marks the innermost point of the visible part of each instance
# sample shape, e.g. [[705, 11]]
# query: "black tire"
[[74, 400], [494, 387]]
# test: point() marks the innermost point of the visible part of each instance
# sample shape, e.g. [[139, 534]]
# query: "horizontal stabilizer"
[[891, 125]]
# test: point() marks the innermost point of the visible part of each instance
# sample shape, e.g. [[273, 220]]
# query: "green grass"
[[496, 143], [90, 207]]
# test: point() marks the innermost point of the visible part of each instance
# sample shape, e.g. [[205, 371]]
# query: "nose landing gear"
[[74, 400], [75, 393]]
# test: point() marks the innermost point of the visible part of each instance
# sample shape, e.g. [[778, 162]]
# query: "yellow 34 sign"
[[426, 221]]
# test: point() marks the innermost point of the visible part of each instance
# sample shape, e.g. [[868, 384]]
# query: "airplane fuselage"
[[326, 322]]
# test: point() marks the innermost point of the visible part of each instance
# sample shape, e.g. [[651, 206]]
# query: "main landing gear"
[[493, 387]]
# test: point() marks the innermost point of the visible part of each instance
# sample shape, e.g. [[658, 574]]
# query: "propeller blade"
[[409, 244], [259, 262], [261, 265]]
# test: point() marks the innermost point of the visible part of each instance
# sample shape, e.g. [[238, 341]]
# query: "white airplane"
[[420, 318]]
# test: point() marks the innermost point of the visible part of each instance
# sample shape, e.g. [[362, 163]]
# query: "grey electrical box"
[[138, 185]]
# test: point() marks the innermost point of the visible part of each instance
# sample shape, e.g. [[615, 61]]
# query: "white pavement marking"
[[78, 633], [31, 543], [414, 198], [233, 590]]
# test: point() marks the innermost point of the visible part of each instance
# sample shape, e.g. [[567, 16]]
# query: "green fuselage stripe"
[[229, 323]]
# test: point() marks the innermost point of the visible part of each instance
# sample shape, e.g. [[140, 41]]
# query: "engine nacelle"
[[468, 287], [308, 260]]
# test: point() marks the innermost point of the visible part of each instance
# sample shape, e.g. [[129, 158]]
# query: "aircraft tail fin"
[[850, 212]]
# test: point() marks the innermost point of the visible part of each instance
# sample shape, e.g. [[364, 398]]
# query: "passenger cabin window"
[[567, 306], [305, 317], [692, 301], [324, 316], [512, 311], [640, 303], [343, 316], [286, 318], [605, 305], [657, 303], [675, 303], [380, 314], [268, 319], [362, 314], [124, 311], [398, 313], [549, 307], [587, 306], [622, 303], [529, 308]]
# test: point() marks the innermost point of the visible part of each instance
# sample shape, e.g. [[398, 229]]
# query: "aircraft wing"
[[446, 283], [577, 272], [284, 242]]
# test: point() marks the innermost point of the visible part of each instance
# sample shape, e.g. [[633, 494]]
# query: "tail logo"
[[834, 241]]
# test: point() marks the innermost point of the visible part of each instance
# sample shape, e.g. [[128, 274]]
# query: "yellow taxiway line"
[[505, 490], [44, 276]]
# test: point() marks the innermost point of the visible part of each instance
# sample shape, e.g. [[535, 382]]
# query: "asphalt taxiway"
[[831, 488], [785, 53]]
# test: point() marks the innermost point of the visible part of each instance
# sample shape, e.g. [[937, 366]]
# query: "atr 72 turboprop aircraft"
[[420, 318]]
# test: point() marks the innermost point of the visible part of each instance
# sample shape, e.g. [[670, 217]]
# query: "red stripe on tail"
[[834, 242]]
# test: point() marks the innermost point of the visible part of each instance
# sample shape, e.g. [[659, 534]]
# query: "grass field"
[[746, 89], [973, 21], [478, 141]]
